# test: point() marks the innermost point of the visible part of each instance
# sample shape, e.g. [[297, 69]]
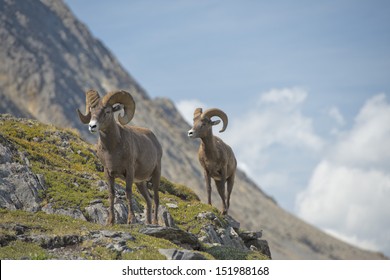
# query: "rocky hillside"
[[48, 59], [53, 204]]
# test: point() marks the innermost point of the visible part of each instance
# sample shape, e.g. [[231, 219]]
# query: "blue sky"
[[306, 86]]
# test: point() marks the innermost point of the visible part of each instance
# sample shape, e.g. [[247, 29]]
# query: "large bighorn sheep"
[[216, 157], [130, 152]]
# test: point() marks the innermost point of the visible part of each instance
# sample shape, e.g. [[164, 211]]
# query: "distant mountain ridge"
[[49, 58]]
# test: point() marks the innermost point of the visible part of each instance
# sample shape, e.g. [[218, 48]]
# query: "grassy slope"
[[71, 169]]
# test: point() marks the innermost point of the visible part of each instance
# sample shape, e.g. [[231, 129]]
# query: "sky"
[[305, 84]]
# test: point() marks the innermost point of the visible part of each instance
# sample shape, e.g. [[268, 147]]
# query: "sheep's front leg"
[[207, 178], [111, 198], [129, 194]]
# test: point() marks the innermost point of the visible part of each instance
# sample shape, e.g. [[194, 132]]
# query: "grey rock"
[[97, 213], [19, 187], [109, 233], [222, 237], [230, 238], [5, 154], [232, 222], [50, 242], [206, 215], [250, 235], [127, 236], [175, 254], [74, 213], [253, 248], [210, 235], [261, 245], [120, 212], [164, 217]]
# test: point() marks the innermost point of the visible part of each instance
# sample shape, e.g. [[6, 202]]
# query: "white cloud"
[[286, 96], [349, 190], [335, 114], [187, 107], [268, 138], [367, 144], [275, 119]]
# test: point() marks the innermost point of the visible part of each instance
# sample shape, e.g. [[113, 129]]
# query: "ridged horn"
[[92, 98], [124, 98], [214, 112], [197, 113]]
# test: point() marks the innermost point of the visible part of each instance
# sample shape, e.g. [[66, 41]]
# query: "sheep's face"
[[102, 117], [202, 127]]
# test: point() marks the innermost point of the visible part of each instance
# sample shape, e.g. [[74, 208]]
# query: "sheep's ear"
[[117, 107], [215, 122]]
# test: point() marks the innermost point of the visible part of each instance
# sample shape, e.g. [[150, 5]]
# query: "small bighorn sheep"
[[129, 152], [216, 157]]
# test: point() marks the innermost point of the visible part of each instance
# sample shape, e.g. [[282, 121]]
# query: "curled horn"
[[92, 98], [217, 113], [124, 98]]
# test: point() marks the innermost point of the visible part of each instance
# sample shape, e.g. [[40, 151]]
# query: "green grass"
[[19, 250], [61, 157], [229, 253], [144, 247]]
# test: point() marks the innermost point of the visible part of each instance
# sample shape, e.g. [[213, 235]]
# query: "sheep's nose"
[[93, 126]]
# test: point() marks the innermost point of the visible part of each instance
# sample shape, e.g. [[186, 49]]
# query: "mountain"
[[49, 59]]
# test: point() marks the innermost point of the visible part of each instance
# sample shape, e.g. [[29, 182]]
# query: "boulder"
[[72, 212], [19, 187]]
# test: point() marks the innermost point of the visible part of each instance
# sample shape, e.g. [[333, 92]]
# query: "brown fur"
[[215, 156], [129, 152]]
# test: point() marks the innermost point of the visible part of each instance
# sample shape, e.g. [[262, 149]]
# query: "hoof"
[[131, 220], [110, 220]]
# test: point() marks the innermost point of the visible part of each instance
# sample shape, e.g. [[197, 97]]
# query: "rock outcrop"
[[30, 180]]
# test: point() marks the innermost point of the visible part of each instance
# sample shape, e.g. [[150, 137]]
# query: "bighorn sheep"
[[130, 152], [216, 157]]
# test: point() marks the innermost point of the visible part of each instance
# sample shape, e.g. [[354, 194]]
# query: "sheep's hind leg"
[[142, 187], [129, 194], [156, 184], [230, 183], [221, 190]]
